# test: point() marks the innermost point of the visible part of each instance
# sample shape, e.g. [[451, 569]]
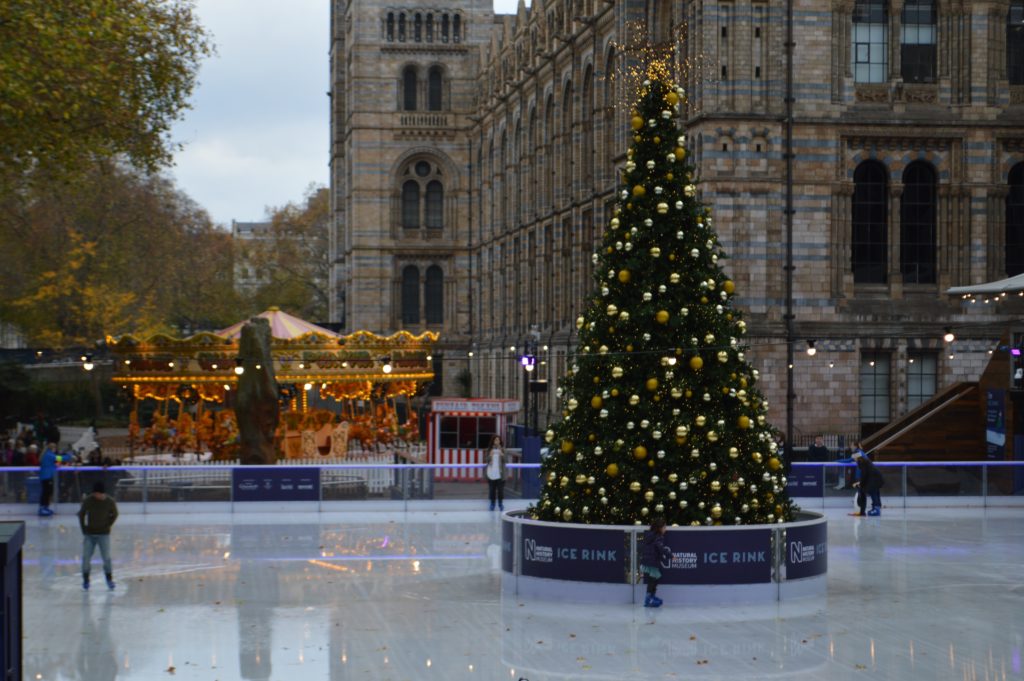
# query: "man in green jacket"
[[96, 516]]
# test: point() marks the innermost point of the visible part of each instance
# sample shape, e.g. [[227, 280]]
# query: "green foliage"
[[93, 79], [295, 260], [662, 416]]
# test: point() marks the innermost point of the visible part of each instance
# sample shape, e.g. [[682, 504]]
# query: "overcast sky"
[[257, 135]]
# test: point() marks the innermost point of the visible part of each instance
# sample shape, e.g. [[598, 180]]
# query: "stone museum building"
[[860, 158]]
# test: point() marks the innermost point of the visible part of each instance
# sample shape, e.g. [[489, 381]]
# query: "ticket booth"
[[459, 431]]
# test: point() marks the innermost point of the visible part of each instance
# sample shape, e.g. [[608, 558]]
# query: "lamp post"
[[528, 362]]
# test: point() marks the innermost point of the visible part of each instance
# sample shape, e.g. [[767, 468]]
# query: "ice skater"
[[496, 473], [870, 483], [654, 554], [96, 516]]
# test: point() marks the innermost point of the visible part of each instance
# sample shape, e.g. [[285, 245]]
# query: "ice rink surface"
[[930, 593]]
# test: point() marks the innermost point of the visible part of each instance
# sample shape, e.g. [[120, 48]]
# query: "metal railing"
[[907, 483]]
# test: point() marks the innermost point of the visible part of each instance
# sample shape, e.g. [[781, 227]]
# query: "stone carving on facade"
[[920, 94]]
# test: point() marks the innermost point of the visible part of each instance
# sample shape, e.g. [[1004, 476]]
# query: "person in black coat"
[[871, 482], [654, 553]]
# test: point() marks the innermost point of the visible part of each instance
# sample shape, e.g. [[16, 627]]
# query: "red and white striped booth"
[[460, 431]]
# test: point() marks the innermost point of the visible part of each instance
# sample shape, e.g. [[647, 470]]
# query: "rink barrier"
[[398, 484], [716, 565]]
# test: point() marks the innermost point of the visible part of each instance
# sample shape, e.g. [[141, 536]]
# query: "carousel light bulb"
[[307, 386]]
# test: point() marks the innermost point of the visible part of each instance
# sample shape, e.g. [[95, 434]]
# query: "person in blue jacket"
[[47, 472]]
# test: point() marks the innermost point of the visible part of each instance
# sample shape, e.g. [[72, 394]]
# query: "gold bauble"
[[549, 436], [616, 372], [572, 404], [704, 299], [637, 122], [688, 393], [754, 503], [568, 447], [756, 456], [567, 515], [629, 348], [580, 479], [662, 316], [715, 485], [596, 401], [716, 511], [649, 495], [662, 209], [591, 480], [564, 481], [612, 310], [700, 420], [672, 98], [723, 356], [591, 438], [774, 463], [657, 140], [634, 486], [640, 452], [712, 436], [696, 363], [733, 452], [639, 191], [615, 392], [612, 470], [637, 138], [728, 286], [680, 153], [551, 476], [596, 380], [652, 384], [778, 509], [743, 421], [677, 393], [624, 276], [634, 400]]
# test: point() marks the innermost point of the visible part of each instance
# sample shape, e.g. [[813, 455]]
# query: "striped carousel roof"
[[282, 325]]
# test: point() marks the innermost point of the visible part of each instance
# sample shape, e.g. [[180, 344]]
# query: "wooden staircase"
[[948, 427]]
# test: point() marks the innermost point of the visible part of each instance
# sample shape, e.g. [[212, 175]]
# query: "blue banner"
[[278, 483], [575, 554], [806, 551], [805, 481], [733, 557]]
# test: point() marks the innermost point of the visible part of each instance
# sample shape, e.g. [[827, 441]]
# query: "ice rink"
[[930, 594]]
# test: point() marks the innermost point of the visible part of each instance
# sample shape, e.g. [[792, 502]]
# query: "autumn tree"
[[93, 79], [292, 261], [116, 251]]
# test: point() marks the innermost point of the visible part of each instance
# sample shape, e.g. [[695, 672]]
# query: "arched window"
[[870, 238], [401, 27], [411, 205], [917, 224], [870, 42], [608, 81], [435, 88], [430, 28], [917, 41], [1015, 43], [587, 117], [444, 28], [417, 28], [422, 197], [409, 88], [390, 32], [433, 295], [517, 175], [456, 29], [546, 178], [435, 205], [411, 295], [1015, 222], [567, 146]]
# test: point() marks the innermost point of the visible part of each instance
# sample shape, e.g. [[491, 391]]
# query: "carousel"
[[336, 392]]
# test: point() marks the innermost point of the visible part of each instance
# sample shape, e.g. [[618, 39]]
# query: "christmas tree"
[[661, 413]]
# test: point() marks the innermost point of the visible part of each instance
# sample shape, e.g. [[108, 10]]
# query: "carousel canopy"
[[282, 326], [991, 288], [305, 356]]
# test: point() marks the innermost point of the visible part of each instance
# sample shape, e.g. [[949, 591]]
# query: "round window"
[[422, 168]]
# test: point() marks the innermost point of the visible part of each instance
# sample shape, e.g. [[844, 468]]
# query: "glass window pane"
[[411, 205]]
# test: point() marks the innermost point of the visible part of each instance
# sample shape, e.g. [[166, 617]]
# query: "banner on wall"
[[734, 557], [276, 483], [995, 423], [574, 554], [806, 551], [805, 481]]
